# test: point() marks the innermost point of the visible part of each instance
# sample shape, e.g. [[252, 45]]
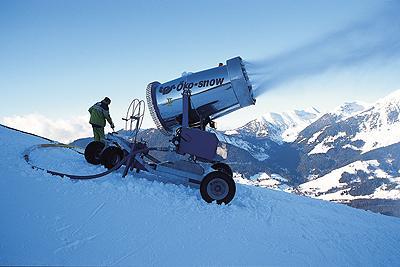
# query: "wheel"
[[219, 166], [217, 186], [111, 156], [93, 152]]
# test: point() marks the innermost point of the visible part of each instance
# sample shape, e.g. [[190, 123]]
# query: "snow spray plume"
[[375, 38]]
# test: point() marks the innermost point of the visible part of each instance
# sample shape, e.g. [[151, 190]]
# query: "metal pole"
[[186, 105]]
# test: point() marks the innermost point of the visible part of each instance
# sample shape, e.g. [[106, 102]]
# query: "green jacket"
[[99, 113]]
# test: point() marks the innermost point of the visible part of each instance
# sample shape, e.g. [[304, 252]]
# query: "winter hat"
[[107, 100]]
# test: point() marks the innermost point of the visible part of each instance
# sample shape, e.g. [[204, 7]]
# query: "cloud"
[[62, 130]]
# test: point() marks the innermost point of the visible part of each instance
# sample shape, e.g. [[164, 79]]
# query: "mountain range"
[[349, 155]]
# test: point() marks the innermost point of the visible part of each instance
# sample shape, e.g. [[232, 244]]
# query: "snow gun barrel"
[[215, 92]]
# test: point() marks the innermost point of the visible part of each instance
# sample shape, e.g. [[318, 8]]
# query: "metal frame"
[[192, 174]]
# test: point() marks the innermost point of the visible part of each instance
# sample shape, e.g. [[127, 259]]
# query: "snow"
[[262, 179], [320, 148], [231, 132], [234, 141], [383, 193], [265, 176], [325, 145], [47, 220], [319, 187], [350, 146], [378, 125], [392, 98], [279, 127], [376, 138], [259, 153], [379, 130], [260, 176], [291, 123], [315, 136], [350, 109], [331, 180]]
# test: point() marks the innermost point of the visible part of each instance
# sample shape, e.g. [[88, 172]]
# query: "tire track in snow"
[[74, 244], [134, 251], [99, 207], [63, 228], [77, 242]]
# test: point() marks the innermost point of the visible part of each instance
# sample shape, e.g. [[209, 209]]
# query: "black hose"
[[55, 144], [71, 176]]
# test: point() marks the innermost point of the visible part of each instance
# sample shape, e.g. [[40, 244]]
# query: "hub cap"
[[217, 188]]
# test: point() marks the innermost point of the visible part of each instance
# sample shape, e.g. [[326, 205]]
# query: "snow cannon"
[[182, 109], [214, 93]]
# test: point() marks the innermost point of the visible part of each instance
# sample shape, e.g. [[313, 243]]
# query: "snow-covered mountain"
[[262, 147], [351, 153], [47, 220], [313, 133], [353, 156], [349, 109], [279, 127], [362, 130], [380, 125]]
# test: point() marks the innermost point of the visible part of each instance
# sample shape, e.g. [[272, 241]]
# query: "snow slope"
[[111, 221]]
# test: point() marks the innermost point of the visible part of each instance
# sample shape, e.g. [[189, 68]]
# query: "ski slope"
[[48, 220]]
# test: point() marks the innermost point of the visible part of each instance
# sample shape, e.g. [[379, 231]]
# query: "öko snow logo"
[[182, 85]]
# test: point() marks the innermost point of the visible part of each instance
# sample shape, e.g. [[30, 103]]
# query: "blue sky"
[[59, 57]]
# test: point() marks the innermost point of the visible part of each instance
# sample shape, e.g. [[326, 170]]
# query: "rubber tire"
[[219, 166], [93, 152], [221, 175], [108, 157]]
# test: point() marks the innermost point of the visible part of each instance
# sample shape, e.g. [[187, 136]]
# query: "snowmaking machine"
[[184, 109]]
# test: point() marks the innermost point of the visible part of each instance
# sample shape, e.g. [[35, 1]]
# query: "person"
[[99, 113]]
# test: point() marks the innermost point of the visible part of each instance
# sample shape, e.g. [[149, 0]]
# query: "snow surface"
[[315, 136], [324, 146], [320, 148], [273, 181], [320, 187], [47, 220]]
